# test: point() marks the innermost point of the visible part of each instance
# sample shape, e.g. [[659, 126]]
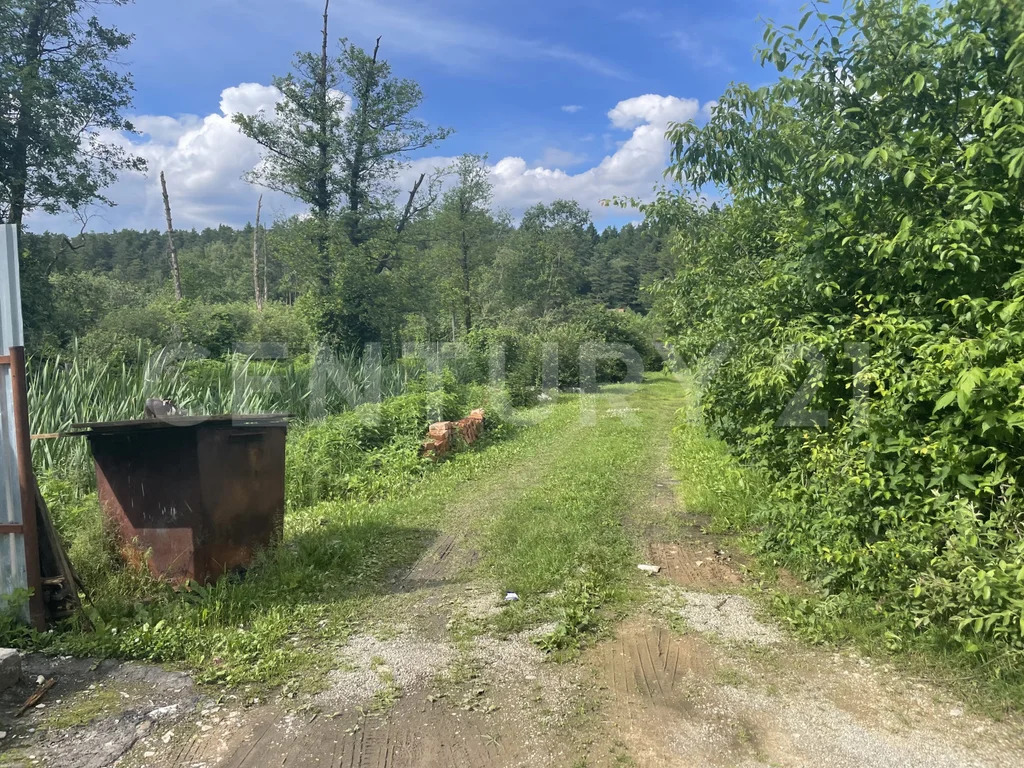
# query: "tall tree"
[[303, 140], [59, 88], [556, 243], [465, 225], [256, 258], [378, 137], [341, 154]]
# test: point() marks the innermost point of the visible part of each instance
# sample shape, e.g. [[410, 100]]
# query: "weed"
[[84, 709]]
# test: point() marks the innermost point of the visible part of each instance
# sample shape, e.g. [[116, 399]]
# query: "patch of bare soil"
[[696, 564], [405, 701], [96, 712]]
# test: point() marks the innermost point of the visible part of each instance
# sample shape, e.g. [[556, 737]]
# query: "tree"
[[303, 140], [59, 88], [256, 259], [464, 225], [378, 136], [557, 242], [340, 154], [864, 283]]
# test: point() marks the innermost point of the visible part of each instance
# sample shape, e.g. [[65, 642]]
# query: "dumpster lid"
[[227, 419]]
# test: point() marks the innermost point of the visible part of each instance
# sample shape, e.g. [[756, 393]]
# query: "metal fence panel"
[[13, 574]]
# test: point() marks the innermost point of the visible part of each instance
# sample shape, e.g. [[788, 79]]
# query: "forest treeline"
[[103, 292], [855, 311]]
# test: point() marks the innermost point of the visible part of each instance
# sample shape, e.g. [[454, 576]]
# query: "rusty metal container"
[[194, 497]]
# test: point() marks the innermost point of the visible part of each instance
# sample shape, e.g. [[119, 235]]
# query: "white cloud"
[[632, 168], [653, 109], [561, 157], [205, 159], [571, 108]]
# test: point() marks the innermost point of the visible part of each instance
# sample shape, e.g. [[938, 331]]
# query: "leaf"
[[967, 481], [908, 178], [945, 400]]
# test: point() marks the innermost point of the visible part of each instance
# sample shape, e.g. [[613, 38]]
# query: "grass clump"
[[711, 478]]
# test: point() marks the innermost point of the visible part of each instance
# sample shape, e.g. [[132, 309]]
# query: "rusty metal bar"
[[27, 483]]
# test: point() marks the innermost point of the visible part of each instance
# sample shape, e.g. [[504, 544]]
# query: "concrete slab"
[[10, 668]]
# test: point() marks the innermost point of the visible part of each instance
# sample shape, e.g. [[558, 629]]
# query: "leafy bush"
[[854, 311], [363, 450]]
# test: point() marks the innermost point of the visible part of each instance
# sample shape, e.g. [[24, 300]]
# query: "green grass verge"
[[299, 599]]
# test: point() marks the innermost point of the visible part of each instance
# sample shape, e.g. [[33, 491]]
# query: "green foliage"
[[870, 261], [561, 545], [82, 387], [277, 622], [61, 89], [712, 481], [362, 451]]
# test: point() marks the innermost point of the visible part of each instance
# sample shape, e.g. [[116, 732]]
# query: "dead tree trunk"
[[170, 239], [256, 257]]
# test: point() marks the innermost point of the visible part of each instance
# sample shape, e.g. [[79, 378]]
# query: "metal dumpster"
[[194, 497]]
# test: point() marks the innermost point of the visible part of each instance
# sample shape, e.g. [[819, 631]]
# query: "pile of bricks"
[[442, 435]]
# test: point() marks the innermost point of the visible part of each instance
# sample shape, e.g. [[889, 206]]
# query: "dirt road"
[[694, 674]]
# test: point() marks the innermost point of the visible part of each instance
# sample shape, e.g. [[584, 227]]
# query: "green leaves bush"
[[363, 450], [853, 312]]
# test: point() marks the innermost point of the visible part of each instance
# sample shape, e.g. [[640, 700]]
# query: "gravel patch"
[[731, 617], [372, 664], [513, 658], [823, 736]]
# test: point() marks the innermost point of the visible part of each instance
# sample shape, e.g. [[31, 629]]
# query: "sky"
[[568, 98]]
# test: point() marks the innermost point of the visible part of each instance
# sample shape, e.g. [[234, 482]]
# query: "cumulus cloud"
[[205, 159], [633, 167], [561, 157], [653, 109]]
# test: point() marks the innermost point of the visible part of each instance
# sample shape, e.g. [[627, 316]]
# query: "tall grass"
[[75, 388]]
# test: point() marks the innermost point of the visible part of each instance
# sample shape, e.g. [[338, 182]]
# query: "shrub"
[[856, 307]]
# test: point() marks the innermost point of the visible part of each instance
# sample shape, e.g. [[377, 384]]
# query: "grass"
[[563, 545], [84, 709], [299, 601], [711, 479], [78, 388], [546, 504]]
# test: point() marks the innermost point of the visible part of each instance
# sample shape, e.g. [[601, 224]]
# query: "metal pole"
[[27, 484]]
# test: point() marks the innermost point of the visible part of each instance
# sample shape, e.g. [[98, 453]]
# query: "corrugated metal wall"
[[12, 545]]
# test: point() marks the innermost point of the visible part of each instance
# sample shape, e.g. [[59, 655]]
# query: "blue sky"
[[567, 97]]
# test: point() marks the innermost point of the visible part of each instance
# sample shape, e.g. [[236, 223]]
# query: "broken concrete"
[[10, 668]]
